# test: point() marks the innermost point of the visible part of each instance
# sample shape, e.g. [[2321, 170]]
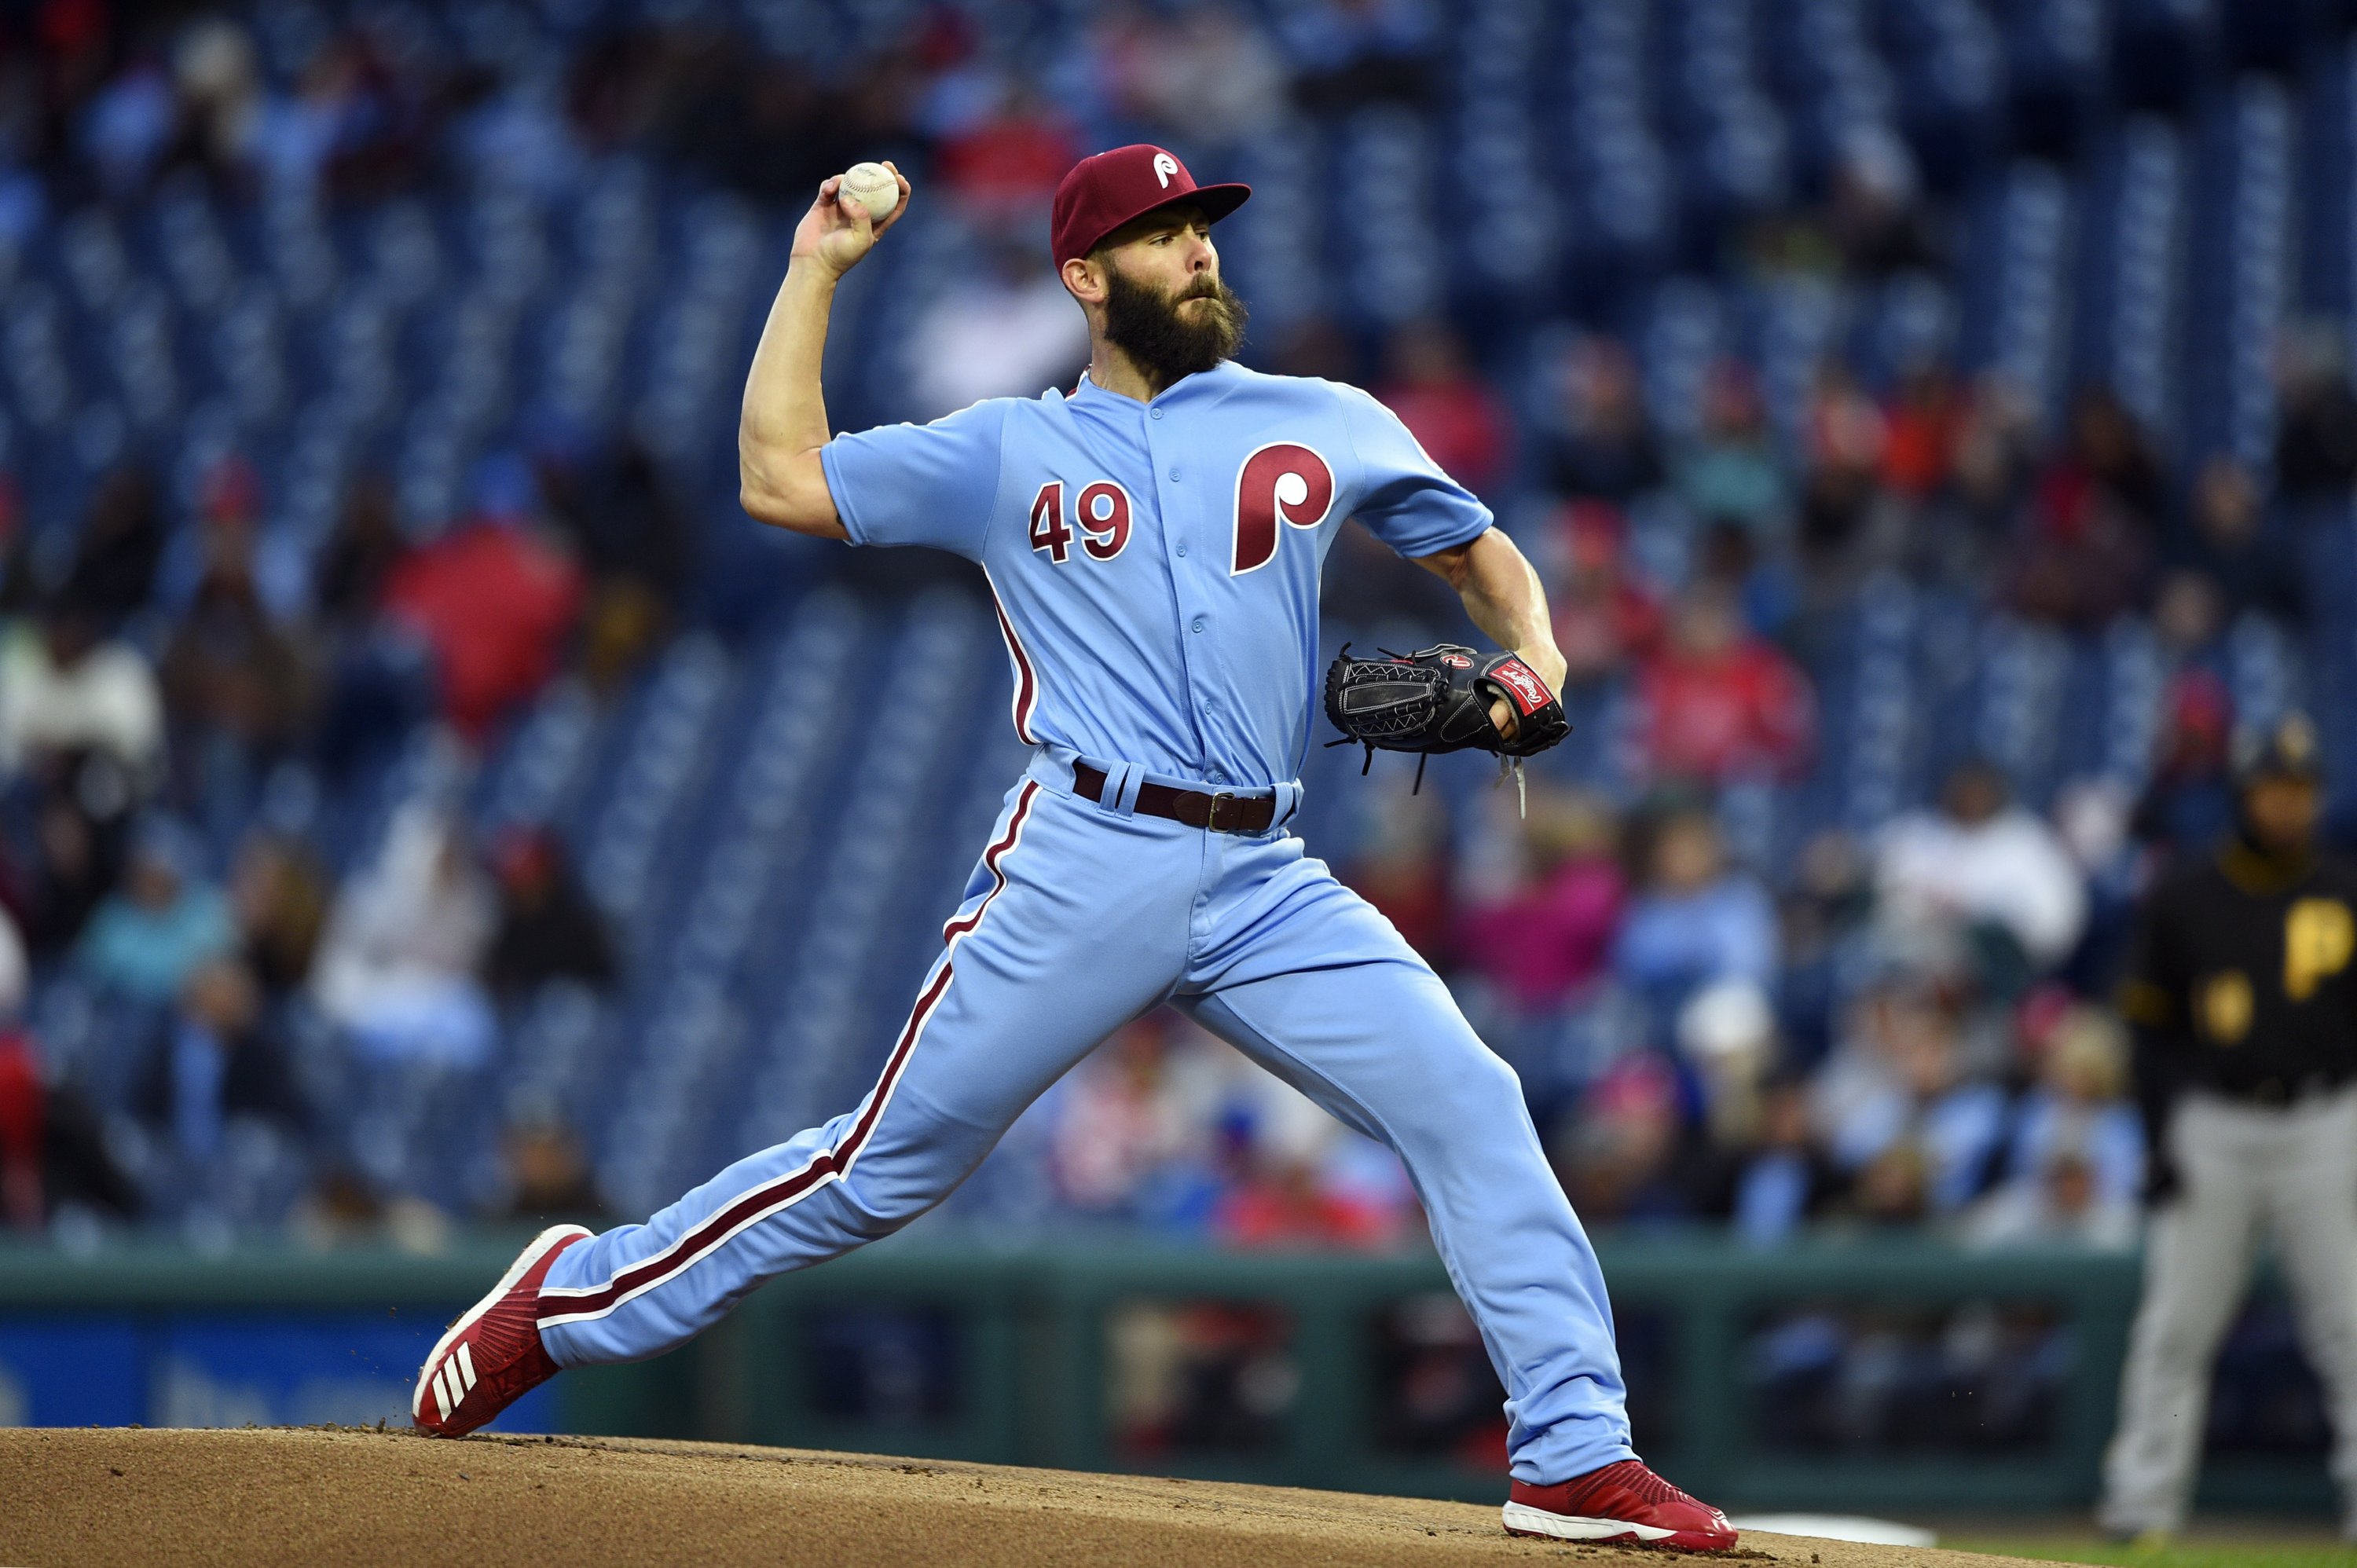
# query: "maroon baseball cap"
[[1103, 192]]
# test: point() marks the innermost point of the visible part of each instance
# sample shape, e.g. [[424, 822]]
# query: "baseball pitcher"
[[1153, 539]]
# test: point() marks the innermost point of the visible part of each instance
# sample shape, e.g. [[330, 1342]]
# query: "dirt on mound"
[[103, 1496]]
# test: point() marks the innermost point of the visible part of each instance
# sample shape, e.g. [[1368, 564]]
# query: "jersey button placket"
[[1195, 624]]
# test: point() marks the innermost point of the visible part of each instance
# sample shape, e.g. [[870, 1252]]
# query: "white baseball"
[[873, 187]]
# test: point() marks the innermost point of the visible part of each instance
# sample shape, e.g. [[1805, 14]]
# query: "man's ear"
[[1084, 276]]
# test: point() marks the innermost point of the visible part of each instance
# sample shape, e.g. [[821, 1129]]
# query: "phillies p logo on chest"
[[1280, 483]]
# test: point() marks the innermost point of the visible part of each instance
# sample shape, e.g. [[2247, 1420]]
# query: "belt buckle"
[[1213, 821]]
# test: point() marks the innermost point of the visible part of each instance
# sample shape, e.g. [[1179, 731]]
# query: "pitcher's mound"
[[103, 1496]]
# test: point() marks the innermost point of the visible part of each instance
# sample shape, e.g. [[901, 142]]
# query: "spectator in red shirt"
[[1008, 162], [1451, 411], [493, 599], [1721, 702], [1921, 426]]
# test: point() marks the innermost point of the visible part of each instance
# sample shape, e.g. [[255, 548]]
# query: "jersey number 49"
[[1103, 513]]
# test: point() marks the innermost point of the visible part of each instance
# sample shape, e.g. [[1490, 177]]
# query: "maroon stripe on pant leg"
[[684, 1254]]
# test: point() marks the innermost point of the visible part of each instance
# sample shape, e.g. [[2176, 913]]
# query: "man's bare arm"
[[783, 422], [1503, 595]]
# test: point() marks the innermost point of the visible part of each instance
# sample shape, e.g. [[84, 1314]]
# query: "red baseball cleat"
[[1625, 1502], [492, 1356]]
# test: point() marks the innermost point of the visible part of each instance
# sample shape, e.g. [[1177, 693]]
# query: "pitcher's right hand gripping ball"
[[841, 225], [1437, 698]]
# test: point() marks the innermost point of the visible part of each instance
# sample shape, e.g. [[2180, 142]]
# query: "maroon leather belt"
[[1221, 812]]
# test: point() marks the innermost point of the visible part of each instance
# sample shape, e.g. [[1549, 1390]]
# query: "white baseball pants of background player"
[[2290, 1172], [1078, 916]]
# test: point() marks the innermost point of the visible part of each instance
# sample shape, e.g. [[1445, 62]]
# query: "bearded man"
[[1154, 541]]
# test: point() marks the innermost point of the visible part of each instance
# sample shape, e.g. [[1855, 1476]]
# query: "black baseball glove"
[[1437, 698]]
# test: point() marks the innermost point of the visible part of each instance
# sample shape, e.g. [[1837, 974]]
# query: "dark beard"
[[1163, 341]]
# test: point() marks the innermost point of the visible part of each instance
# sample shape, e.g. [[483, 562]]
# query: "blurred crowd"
[[1900, 1025], [102, 98], [178, 709]]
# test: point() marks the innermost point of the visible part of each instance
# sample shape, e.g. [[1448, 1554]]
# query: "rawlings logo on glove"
[[1523, 684], [1437, 698]]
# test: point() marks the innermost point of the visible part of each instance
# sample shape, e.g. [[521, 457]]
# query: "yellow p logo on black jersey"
[[2319, 938]]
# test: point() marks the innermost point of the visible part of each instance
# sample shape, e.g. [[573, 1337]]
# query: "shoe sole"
[[541, 1246], [1520, 1519]]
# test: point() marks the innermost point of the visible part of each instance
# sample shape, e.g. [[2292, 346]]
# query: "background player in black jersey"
[[2241, 993]]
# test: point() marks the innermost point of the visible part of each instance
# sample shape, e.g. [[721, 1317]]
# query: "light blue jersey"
[[1157, 564], [1156, 570]]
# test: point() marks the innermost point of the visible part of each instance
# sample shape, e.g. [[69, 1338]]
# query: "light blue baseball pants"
[[1078, 919]]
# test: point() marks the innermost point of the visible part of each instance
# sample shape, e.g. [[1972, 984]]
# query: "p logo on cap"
[[1103, 192]]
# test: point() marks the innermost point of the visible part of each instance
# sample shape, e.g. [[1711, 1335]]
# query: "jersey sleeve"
[[1403, 496], [919, 484]]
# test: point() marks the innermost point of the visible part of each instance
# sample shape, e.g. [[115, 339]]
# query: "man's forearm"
[[783, 421], [1502, 594]]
